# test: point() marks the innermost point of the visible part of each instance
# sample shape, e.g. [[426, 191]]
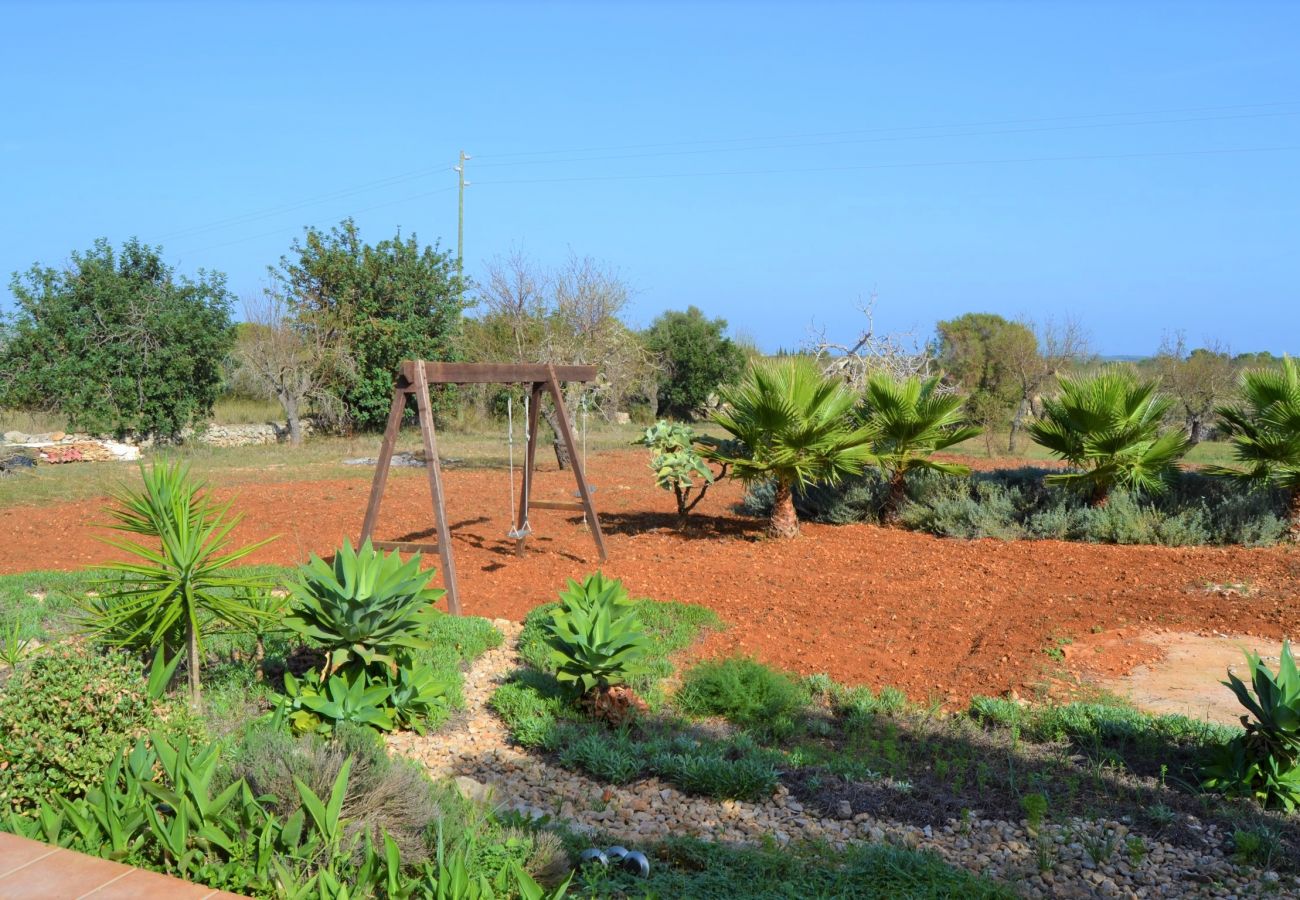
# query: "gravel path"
[[1086, 858]]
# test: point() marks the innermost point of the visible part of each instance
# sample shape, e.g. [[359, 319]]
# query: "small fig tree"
[[678, 466]]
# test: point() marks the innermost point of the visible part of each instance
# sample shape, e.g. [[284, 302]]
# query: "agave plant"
[[1109, 426], [794, 426], [1265, 433], [364, 608], [351, 697], [909, 420], [595, 635], [1265, 761], [165, 598]]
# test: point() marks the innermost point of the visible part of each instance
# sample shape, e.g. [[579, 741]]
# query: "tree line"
[[118, 342]]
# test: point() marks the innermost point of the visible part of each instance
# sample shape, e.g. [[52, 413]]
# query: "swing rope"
[[521, 531]]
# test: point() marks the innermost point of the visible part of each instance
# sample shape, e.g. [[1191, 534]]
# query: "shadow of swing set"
[[413, 381]]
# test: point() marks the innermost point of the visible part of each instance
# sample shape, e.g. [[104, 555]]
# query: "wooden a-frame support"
[[413, 380]]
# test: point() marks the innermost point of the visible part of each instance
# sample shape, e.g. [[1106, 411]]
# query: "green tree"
[[1264, 428], [910, 419], [795, 426], [376, 305], [985, 354], [1109, 426], [116, 342], [695, 359]]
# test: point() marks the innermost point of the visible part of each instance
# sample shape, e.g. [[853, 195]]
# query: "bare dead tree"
[[899, 353], [569, 316], [1199, 380], [289, 361], [1033, 365]]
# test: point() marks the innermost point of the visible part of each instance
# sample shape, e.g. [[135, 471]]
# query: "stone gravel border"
[[1084, 858]]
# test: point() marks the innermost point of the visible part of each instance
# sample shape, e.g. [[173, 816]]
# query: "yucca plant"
[[909, 420], [1264, 762], [794, 426], [1109, 426], [595, 635], [364, 608], [1264, 429], [176, 585]]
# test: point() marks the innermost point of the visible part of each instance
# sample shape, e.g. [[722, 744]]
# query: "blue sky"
[[1131, 164]]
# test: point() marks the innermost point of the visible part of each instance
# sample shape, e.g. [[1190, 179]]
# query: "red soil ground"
[[942, 619]]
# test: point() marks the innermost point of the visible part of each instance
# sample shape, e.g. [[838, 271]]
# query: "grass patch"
[[687, 867], [744, 692]]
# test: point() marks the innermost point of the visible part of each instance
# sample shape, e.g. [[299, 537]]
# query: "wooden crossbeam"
[[492, 373]]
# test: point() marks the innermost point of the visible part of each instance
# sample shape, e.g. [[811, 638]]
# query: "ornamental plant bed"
[[938, 618]]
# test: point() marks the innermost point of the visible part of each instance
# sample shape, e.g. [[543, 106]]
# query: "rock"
[[622, 418], [16, 437], [474, 790], [844, 809]]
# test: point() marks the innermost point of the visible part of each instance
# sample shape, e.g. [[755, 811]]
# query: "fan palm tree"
[[1265, 432], [1108, 425], [910, 420], [794, 426]]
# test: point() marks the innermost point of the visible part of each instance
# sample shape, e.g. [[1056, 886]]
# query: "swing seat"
[[591, 489], [518, 534]]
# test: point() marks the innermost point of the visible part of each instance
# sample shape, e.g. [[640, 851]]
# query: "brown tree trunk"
[[561, 451], [1017, 422], [785, 521], [295, 421], [1293, 515]]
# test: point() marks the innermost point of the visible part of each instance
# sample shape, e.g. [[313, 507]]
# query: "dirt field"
[[942, 619]]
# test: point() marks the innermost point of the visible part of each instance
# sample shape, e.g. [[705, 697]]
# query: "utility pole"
[[460, 224]]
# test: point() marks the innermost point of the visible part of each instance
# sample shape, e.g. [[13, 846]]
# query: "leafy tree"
[[795, 427], [376, 305], [1033, 365], [910, 419], [695, 359], [1109, 426], [1264, 428], [678, 465], [116, 342], [979, 351]]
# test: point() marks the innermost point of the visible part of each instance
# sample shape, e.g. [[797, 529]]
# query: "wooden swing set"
[[413, 380]]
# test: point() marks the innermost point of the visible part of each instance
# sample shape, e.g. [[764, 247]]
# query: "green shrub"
[[745, 692], [63, 717], [595, 636], [1011, 504], [1264, 763], [678, 466]]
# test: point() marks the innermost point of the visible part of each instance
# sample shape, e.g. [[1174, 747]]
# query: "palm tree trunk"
[[892, 512], [785, 521], [1293, 515], [1100, 495]]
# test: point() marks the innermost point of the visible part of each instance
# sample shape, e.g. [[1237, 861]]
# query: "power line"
[[901, 165], [896, 128], [285, 228], [881, 140], [245, 218]]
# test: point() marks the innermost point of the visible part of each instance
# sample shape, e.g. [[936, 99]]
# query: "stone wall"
[[248, 435]]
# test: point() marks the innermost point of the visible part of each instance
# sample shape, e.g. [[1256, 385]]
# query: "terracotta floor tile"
[[142, 885], [62, 874], [16, 851]]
